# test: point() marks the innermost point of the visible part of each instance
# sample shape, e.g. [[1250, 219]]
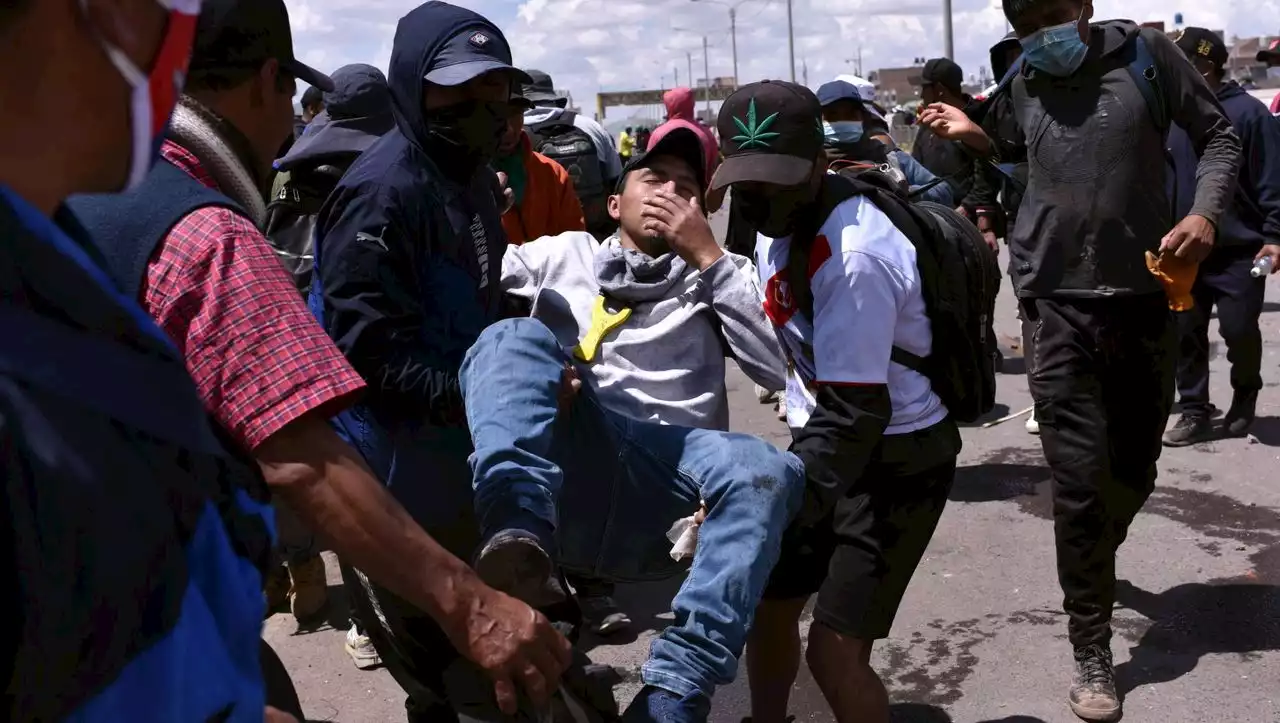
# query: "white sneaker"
[[782, 408], [361, 650], [1033, 426]]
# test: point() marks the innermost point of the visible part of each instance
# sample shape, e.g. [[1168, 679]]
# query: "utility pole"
[[948, 36], [733, 33], [706, 69], [689, 56], [804, 67], [791, 40], [675, 73]]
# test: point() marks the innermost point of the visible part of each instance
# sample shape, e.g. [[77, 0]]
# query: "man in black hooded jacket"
[[408, 261], [1098, 261], [1248, 233]]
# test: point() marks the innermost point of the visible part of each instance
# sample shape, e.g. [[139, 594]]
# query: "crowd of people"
[[444, 327]]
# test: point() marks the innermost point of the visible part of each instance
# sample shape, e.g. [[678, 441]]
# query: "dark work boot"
[[1244, 407], [514, 562], [1192, 428], [1093, 695]]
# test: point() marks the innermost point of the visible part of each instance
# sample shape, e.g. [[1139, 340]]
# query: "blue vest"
[[138, 538], [127, 228]]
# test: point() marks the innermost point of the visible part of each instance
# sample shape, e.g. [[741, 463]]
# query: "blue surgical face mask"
[[1056, 50], [842, 131]]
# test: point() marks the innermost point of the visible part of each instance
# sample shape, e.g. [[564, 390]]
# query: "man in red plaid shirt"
[[262, 364]]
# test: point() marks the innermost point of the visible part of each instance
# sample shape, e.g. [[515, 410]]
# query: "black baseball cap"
[[360, 91], [673, 138], [1202, 43], [357, 113], [245, 34], [770, 132], [540, 89], [477, 48], [1271, 55], [943, 72]]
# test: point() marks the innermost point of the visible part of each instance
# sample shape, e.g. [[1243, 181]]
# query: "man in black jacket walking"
[[1247, 233], [1096, 212]]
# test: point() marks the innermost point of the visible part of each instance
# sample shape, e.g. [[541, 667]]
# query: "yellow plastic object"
[[1177, 275], [603, 321]]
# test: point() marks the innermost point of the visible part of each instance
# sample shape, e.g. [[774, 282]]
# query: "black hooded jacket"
[[408, 262], [1096, 198]]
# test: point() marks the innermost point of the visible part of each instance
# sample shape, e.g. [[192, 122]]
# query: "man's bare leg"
[[773, 658], [842, 667]]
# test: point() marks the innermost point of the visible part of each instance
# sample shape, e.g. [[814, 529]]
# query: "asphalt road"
[[981, 637]]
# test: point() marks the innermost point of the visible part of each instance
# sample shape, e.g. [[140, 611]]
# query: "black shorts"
[[860, 558]]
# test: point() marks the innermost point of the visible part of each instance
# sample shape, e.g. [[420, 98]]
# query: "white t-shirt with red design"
[[866, 300]]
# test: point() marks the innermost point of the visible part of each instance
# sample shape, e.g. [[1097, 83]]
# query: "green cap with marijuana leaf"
[[770, 132]]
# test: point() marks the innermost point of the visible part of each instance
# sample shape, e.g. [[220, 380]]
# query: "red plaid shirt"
[[257, 355]]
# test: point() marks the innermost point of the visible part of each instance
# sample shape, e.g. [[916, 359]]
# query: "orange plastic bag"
[[1177, 275]]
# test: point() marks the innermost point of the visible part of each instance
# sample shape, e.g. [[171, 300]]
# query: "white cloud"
[[593, 45]]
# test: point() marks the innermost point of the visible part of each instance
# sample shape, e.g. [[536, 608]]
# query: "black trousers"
[[1223, 282], [415, 650], [1101, 374], [590, 587], [411, 645]]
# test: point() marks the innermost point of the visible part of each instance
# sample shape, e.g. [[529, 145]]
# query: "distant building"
[[1242, 60], [895, 86]]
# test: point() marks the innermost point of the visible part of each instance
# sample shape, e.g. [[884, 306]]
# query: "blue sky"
[[590, 45]]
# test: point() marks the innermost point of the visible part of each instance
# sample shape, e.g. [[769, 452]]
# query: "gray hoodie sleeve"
[[1194, 107], [739, 305]]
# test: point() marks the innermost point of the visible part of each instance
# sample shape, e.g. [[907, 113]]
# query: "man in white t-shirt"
[[878, 447]]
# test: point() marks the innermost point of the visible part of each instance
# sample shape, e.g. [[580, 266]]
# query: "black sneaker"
[[1244, 407], [1093, 696], [603, 616], [515, 563], [1190, 429]]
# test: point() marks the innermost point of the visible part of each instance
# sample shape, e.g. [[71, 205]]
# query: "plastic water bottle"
[[1261, 267]]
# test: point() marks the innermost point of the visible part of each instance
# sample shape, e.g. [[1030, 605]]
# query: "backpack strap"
[[1146, 75], [1007, 79], [837, 189], [128, 227]]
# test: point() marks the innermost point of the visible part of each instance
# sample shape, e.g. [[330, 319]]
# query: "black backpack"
[[959, 276], [560, 140], [290, 225]]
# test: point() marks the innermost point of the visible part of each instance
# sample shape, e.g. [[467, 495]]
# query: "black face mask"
[[774, 216], [468, 132]]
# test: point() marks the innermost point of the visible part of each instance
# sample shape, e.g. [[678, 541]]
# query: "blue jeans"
[[602, 490]]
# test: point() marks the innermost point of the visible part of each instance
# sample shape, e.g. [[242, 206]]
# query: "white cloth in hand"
[[684, 535]]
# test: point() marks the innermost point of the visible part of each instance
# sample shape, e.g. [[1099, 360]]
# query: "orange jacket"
[[550, 205]]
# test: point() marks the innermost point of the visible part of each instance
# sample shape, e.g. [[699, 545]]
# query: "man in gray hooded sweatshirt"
[[595, 472]]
